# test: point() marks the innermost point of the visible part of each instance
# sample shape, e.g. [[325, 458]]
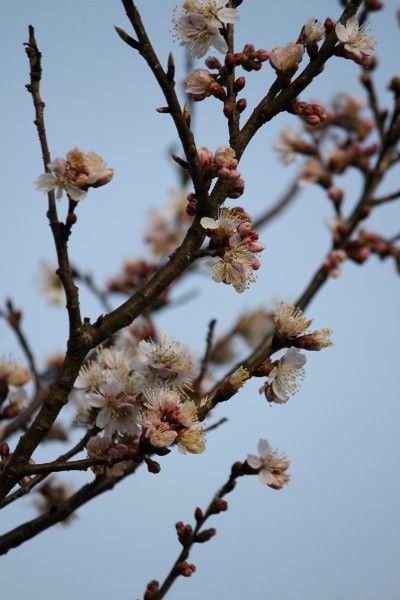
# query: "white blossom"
[[282, 381], [271, 466], [354, 38]]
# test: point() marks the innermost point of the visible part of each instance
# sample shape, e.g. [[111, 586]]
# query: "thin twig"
[[282, 203], [206, 358], [36, 480], [199, 535]]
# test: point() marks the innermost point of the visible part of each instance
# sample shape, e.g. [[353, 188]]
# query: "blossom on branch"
[[200, 24], [355, 41], [271, 467], [282, 380], [74, 175]]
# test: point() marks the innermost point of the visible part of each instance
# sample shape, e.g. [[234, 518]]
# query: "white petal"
[[208, 223], [219, 43], [254, 461], [75, 192], [45, 183], [228, 15], [341, 32], [266, 476], [263, 448]]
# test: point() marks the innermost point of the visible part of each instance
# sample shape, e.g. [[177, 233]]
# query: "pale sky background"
[[333, 533]]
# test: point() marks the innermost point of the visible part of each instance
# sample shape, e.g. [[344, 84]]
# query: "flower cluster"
[[235, 241], [137, 394], [74, 174], [199, 25], [270, 466], [290, 323], [283, 375], [12, 379]]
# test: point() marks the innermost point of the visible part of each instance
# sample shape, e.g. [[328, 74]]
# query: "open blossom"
[[282, 381], [200, 24], [227, 224], [168, 402], [118, 411], [235, 267], [50, 284], [287, 58], [215, 12], [163, 364], [290, 321], [272, 467], [74, 174], [355, 40], [194, 30]]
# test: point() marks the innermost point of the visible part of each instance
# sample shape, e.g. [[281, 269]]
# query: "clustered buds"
[[313, 113], [221, 164], [251, 59]]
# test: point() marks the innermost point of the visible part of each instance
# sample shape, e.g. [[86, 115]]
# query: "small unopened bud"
[[217, 506], [152, 465], [372, 5], [239, 84], [336, 195], [241, 104], [170, 67], [71, 219], [163, 110], [262, 55], [185, 569], [198, 514], [4, 450], [186, 114], [205, 535], [329, 24], [264, 369], [228, 110], [151, 590], [213, 63], [230, 60], [184, 532]]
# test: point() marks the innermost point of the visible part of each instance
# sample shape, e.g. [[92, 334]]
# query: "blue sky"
[[333, 533]]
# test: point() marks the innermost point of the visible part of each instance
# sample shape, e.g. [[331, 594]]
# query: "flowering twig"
[[272, 104], [188, 536]]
